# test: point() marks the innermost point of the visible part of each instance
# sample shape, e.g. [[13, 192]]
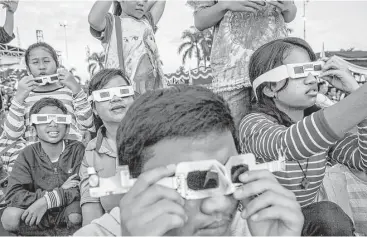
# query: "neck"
[[52, 150], [111, 132], [294, 113]]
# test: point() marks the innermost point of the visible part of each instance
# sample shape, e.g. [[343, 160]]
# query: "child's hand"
[[70, 182], [10, 5], [241, 6], [287, 8], [336, 72], [34, 213], [274, 211], [66, 78], [25, 86], [151, 209]]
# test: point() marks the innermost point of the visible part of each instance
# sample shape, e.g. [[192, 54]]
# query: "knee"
[[331, 219], [11, 219], [75, 219]]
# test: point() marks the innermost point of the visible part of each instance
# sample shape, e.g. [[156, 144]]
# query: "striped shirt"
[[17, 121], [308, 141]]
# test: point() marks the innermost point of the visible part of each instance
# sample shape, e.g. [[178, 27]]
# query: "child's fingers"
[[71, 177]]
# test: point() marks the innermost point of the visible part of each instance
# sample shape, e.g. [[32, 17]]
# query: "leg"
[[239, 101], [11, 218], [72, 217], [326, 218]]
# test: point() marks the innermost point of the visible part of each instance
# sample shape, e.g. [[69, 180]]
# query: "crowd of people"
[[270, 97]]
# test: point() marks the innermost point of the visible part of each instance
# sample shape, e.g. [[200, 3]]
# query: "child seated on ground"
[[43, 188], [41, 60]]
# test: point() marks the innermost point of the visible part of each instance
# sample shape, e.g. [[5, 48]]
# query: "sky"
[[339, 24]]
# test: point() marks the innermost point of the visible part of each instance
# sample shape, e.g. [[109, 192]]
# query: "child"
[[278, 123], [139, 57], [240, 27], [43, 188], [6, 32], [41, 60], [101, 151]]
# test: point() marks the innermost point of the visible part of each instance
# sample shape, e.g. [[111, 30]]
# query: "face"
[[209, 216], [323, 89], [41, 62], [114, 110], [300, 93], [135, 9], [332, 92], [52, 132]]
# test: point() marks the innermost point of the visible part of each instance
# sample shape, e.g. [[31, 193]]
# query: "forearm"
[[83, 111], [347, 113], [14, 125], [97, 15], [91, 211], [22, 198], [290, 14], [208, 17], [9, 23], [157, 9]]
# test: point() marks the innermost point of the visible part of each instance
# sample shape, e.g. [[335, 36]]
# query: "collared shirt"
[[102, 157]]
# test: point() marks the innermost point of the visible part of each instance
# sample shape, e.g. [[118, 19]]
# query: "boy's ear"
[[268, 92]]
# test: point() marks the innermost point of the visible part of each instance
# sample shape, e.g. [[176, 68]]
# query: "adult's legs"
[[327, 219], [239, 101]]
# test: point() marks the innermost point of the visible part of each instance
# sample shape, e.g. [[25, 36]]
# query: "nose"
[[310, 79], [52, 124], [41, 65], [116, 98], [218, 205]]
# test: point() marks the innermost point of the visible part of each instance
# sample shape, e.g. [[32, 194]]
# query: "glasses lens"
[[201, 180], [61, 119], [298, 70], [54, 78], [105, 94], [42, 118], [124, 91], [317, 68], [38, 81], [236, 171]]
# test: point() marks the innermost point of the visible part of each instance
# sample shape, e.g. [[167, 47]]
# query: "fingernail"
[[243, 177], [244, 214]]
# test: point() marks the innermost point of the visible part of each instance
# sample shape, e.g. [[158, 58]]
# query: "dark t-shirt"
[[5, 37]]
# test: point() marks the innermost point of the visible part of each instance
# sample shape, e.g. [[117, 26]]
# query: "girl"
[[101, 151], [240, 27], [136, 54], [278, 124], [41, 60]]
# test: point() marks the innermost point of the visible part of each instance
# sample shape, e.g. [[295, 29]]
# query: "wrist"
[[8, 11], [75, 89], [19, 98], [223, 5]]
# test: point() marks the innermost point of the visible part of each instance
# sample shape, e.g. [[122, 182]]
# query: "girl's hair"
[[266, 58], [117, 10], [98, 81], [44, 45]]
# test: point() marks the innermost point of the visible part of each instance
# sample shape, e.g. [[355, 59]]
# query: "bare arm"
[[9, 23], [157, 9], [91, 211], [97, 15]]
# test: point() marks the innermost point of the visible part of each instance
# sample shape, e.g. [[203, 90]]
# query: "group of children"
[[154, 131]]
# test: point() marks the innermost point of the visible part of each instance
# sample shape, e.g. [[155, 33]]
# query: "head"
[[112, 111], [323, 87], [41, 59], [134, 8], [289, 94], [332, 91], [178, 124], [52, 132]]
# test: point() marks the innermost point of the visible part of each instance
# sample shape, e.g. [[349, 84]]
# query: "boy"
[[165, 127], [6, 32], [43, 191]]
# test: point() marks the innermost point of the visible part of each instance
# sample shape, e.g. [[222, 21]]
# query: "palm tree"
[[96, 61], [191, 45]]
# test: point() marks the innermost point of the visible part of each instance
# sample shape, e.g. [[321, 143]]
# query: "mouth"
[[42, 74], [118, 108], [53, 134], [216, 228], [312, 92]]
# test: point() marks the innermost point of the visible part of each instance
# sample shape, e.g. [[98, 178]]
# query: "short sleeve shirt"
[[236, 37], [5, 37]]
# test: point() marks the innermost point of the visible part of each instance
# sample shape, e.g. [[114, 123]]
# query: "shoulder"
[[257, 117], [74, 144], [92, 145]]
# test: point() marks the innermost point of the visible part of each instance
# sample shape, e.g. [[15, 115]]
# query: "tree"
[[347, 50], [96, 61], [191, 45]]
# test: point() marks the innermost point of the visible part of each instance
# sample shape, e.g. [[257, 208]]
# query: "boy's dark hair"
[[47, 101], [117, 10], [179, 111], [43, 45], [98, 81], [266, 58]]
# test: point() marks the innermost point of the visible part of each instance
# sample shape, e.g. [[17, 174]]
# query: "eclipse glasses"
[[49, 79], [192, 180], [292, 71], [47, 118], [108, 94]]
